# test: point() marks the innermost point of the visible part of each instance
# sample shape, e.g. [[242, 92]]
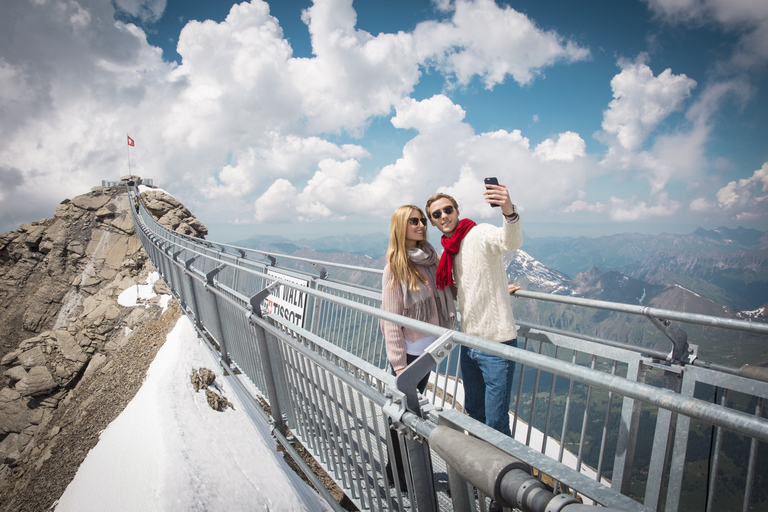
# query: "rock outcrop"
[[60, 321]]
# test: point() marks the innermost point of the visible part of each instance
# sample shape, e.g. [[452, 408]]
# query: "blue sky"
[[311, 118]]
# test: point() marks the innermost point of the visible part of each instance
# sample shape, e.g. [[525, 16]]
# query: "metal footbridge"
[[595, 422]]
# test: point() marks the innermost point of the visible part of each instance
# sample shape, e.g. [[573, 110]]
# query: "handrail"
[[667, 314]]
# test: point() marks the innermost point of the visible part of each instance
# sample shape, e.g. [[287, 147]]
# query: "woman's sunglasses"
[[414, 221], [439, 213]]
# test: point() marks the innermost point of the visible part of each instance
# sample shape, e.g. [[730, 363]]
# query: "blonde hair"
[[400, 265]]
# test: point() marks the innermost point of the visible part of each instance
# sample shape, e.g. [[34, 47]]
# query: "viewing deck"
[[595, 422]]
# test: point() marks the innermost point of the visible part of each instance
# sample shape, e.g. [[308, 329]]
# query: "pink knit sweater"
[[392, 301]]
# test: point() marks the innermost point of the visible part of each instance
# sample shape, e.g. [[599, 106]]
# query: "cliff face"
[[62, 330]]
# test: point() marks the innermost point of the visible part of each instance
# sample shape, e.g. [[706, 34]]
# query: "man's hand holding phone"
[[498, 195]]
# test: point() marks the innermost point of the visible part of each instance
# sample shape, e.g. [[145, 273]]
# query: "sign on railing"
[[288, 303]]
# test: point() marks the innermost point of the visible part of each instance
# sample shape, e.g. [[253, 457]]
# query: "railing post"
[[418, 452], [266, 358], [191, 284], [628, 429], [659, 452], [218, 333]]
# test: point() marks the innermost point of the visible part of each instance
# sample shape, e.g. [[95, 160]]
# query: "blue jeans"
[[487, 386]]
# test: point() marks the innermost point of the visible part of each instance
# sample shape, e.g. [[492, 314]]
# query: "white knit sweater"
[[478, 271]]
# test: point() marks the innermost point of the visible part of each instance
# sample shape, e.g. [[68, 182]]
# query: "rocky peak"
[[172, 214], [60, 320]]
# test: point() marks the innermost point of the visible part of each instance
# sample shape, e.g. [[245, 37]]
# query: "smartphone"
[[492, 181]]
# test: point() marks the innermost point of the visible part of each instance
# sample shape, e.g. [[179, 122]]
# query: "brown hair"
[[441, 195], [400, 265]]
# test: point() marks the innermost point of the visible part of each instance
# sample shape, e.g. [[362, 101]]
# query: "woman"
[[408, 289]]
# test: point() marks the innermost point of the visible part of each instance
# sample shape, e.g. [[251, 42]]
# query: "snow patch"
[[131, 296]]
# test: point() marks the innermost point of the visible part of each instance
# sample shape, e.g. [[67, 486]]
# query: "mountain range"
[[727, 266]]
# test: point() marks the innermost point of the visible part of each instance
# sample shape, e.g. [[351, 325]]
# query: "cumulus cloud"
[[448, 156], [640, 102], [278, 203], [240, 116], [567, 148], [486, 40], [746, 198]]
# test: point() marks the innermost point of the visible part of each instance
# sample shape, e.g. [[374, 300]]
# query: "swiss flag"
[[130, 141]]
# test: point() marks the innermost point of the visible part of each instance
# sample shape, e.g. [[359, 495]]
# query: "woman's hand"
[[513, 289]]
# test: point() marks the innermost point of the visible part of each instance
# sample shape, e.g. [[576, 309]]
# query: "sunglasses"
[[414, 221], [439, 213]]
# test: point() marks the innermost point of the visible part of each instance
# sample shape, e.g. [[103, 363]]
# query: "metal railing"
[[593, 421]]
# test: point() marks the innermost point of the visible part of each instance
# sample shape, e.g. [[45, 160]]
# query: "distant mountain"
[[729, 266], [527, 272], [738, 279], [373, 245], [573, 255], [719, 345]]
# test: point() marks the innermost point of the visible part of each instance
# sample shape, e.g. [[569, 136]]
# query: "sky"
[[175, 452], [305, 119]]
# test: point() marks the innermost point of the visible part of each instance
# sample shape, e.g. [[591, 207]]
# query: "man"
[[472, 261]]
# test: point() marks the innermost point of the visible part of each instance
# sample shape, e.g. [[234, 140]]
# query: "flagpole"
[[128, 137]]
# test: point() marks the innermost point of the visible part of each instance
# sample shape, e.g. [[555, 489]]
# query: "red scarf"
[[451, 246]]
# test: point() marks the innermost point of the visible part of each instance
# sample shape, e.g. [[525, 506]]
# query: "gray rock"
[[32, 357], [37, 381], [10, 451], [16, 373], [92, 201], [15, 414], [9, 358], [97, 362]]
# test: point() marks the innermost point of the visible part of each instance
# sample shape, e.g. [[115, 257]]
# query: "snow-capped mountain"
[[525, 271]]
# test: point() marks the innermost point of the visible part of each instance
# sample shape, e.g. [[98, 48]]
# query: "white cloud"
[[568, 147], [491, 42], [446, 155], [628, 209], [640, 102], [239, 112], [746, 198], [438, 113], [701, 205], [631, 209], [277, 204], [582, 206]]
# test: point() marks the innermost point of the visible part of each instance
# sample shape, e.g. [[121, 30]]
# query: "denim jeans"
[[487, 386]]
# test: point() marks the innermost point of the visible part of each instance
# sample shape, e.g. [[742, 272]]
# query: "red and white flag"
[[130, 141]]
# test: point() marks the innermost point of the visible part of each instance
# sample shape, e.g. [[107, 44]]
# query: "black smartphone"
[[492, 181]]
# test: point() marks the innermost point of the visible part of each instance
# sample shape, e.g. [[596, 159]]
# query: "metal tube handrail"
[[667, 314]]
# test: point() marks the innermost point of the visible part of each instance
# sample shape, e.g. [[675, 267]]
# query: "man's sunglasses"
[[439, 213], [414, 221]]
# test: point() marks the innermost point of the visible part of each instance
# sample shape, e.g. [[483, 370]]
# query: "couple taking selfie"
[[419, 285]]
